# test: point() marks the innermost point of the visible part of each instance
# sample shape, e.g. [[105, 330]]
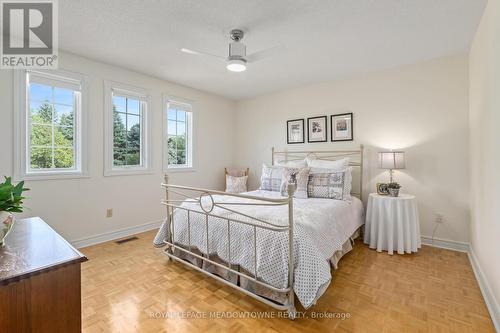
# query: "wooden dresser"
[[40, 288]]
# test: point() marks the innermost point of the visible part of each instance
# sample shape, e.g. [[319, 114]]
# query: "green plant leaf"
[[5, 188], [18, 189], [11, 198]]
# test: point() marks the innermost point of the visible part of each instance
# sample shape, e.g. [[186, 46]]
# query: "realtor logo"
[[29, 34]]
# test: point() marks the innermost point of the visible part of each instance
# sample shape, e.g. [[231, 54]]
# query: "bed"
[[270, 246]]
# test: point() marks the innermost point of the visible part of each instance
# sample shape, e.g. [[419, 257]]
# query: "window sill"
[[127, 172], [180, 169], [51, 176]]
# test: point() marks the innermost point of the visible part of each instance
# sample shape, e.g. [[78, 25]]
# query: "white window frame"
[[143, 95], [188, 106], [22, 124]]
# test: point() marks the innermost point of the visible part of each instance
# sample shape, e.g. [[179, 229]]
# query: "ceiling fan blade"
[[267, 53], [203, 54]]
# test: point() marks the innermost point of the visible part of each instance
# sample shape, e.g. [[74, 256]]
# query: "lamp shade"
[[392, 160]]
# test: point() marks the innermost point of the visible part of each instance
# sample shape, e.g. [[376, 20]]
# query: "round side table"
[[392, 224]]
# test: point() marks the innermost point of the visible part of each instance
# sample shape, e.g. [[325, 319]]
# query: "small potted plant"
[[393, 189], [11, 201]]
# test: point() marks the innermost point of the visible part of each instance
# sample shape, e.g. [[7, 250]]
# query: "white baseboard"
[[108, 236], [446, 244], [489, 297]]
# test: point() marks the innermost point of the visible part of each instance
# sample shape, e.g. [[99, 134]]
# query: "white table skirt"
[[392, 224]]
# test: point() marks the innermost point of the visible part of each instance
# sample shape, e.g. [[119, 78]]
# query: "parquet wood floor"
[[132, 288]]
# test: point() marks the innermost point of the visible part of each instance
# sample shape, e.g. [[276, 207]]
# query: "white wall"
[[76, 208], [421, 109], [485, 153]]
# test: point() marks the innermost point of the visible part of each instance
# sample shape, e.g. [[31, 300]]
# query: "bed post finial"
[[165, 178], [272, 155]]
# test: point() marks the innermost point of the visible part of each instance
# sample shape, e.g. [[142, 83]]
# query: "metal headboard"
[[355, 161]]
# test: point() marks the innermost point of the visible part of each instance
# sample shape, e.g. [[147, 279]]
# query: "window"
[[49, 124], [179, 136], [128, 115], [127, 130]]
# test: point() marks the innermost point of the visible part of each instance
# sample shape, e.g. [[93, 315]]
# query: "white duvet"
[[321, 226]]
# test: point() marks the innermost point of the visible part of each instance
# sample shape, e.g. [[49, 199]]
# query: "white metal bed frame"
[[197, 194]]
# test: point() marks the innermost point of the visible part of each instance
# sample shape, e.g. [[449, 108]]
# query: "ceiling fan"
[[238, 59]]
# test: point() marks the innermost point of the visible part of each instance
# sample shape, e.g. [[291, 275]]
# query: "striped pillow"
[[270, 179]]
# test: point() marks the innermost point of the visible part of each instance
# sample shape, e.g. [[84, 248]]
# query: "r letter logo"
[[29, 34]]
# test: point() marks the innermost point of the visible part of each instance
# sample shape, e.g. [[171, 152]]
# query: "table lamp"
[[392, 160]]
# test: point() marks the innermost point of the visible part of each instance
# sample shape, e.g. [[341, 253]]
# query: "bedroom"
[[137, 90]]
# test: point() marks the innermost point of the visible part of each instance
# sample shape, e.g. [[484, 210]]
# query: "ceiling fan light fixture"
[[237, 58], [236, 65]]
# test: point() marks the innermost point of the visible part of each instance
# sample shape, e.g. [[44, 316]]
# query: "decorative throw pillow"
[[236, 184], [327, 185], [270, 180], [348, 184], [297, 176], [347, 179]]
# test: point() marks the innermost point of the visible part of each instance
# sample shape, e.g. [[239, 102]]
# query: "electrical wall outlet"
[[109, 212], [439, 218]]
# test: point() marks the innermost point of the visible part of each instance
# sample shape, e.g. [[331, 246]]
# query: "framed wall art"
[[341, 127], [295, 131], [317, 129]]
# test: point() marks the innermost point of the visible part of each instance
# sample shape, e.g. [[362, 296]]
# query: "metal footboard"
[[175, 195]]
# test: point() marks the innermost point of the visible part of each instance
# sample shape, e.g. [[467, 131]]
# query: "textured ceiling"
[[324, 39]]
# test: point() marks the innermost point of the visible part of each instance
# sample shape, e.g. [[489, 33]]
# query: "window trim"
[[21, 123], [130, 92], [190, 107]]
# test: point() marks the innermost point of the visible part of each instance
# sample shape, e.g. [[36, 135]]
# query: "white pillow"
[[236, 184], [333, 166], [292, 164], [270, 179]]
